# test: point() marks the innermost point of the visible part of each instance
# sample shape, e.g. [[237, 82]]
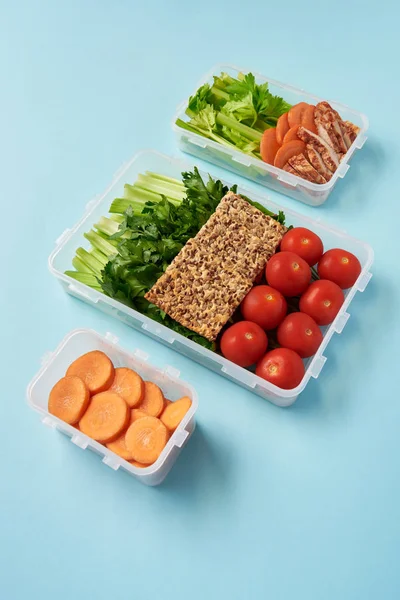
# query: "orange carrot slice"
[[291, 135], [69, 399], [118, 446], [106, 418], [269, 145], [295, 113], [129, 385], [174, 413], [307, 119], [96, 370], [167, 403], [282, 127], [145, 439], [153, 400], [136, 414], [287, 151], [138, 464]]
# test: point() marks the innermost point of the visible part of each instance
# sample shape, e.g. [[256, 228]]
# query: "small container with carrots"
[[136, 416]]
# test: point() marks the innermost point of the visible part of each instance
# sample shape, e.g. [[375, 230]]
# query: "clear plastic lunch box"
[[78, 342], [255, 169], [60, 260]]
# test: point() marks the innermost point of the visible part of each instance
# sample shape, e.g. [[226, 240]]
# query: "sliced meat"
[[315, 159], [290, 169], [305, 169], [328, 122], [351, 130], [328, 155], [345, 133]]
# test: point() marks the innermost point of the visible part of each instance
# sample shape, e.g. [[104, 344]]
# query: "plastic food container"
[[61, 260], [255, 169], [76, 343]]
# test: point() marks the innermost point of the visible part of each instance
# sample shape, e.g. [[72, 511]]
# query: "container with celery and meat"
[[305, 140]]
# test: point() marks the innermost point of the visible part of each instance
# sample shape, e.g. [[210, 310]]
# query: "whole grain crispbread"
[[213, 272]]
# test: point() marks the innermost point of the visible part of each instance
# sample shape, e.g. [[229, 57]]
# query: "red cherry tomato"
[[282, 367], [303, 242], [300, 333], [244, 343], [322, 301], [288, 273], [265, 306], [339, 266]]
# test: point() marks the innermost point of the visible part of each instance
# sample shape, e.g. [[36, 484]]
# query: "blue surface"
[[264, 502]]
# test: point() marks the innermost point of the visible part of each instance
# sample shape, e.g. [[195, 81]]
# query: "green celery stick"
[[161, 187], [80, 266], [165, 178], [90, 261], [100, 243], [86, 278]]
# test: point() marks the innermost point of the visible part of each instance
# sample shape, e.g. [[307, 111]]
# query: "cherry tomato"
[[339, 266], [322, 301], [259, 277], [288, 273], [244, 343], [300, 333], [303, 242], [282, 367], [265, 306]]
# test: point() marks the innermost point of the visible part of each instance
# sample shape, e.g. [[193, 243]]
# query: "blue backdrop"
[[298, 504]]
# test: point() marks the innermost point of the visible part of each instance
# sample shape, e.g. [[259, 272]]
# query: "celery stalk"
[[86, 278], [211, 136], [80, 266], [176, 182], [116, 218], [107, 226], [101, 244], [172, 195], [161, 187], [90, 261]]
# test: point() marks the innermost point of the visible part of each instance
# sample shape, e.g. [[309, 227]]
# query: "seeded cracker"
[[213, 272]]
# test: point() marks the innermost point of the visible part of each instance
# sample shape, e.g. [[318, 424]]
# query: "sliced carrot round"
[[69, 399], [145, 439], [106, 417], [287, 151], [136, 414], [282, 127], [295, 113], [119, 447], [153, 399], [128, 384], [291, 135], [269, 146], [174, 413], [138, 464], [307, 119], [96, 370]]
